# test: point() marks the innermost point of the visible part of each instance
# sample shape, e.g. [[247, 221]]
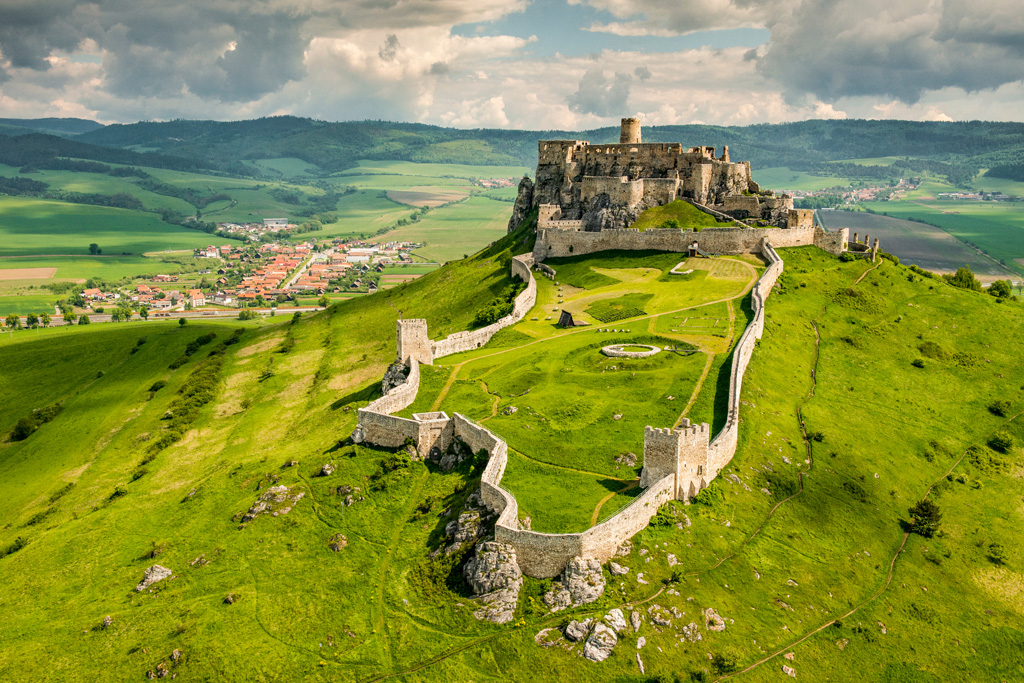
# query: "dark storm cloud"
[[30, 31], [599, 95], [389, 49]]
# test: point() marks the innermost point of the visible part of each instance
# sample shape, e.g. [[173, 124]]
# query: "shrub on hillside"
[[964, 279], [1000, 407], [925, 518], [28, 425], [18, 543], [1001, 441]]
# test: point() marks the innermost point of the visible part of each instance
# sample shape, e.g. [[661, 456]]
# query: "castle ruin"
[[589, 188]]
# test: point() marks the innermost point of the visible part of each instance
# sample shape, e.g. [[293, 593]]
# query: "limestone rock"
[[634, 619], [326, 471], [465, 529], [714, 620], [448, 462], [600, 643], [616, 620], [617, 569], [495, 576], [395, 376], [659, 615], [276, 500], [672, 561], [624, 549], [107, 621], [640, 642], [337, 542], [152, 575], [692, 632], [789, 671], [578, 630], [627, 459], [581, 582], [523, 204]]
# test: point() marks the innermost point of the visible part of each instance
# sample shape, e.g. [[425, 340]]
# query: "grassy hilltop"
[[814, 532]]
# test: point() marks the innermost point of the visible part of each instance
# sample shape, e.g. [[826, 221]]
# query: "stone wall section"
[[552, 243]]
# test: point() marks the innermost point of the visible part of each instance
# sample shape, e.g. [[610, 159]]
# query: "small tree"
[[1001, 441], [69, 317], [997, 553], [116, 316], [964, 279], [323, 302], [247, 314], [13, 321], [925, 518], [44, 319], [94, 249], [1000, 289], [31, 320], [144, 312], [182, 322], [83, 320]]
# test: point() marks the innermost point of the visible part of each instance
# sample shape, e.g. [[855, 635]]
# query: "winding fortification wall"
[[677, 462]]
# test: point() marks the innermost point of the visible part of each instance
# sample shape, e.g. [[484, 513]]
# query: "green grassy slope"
[[777, 566]]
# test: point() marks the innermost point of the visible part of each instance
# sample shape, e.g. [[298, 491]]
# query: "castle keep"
[[588, 187]]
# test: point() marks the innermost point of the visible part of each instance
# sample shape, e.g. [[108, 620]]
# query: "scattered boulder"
[[326, 471], [337, 542], [625, 549], [276, 500], [627, 459], [789, 671], [659, 615], [600, 643], [692, 632], [640, 642], [672, 561], [617, 569], [291, 463], [496, 578], [510, 410], [231, 598], [526, 524], [634, 619], [582, 582], [714, 620], [616, 620], [107, 621], [578, 630], [463, 530], [152, 575]]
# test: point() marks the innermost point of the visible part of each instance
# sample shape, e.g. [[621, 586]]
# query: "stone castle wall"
[[678, 463], [474, 339], [551, 243]]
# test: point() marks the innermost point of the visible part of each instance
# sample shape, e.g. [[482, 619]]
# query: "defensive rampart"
[[553, 243], [678, 463]]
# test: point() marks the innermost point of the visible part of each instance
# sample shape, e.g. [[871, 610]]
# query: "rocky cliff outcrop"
[[524, 203], [496, 578]]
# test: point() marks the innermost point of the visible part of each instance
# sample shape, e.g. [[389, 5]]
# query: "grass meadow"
[[806, 555]]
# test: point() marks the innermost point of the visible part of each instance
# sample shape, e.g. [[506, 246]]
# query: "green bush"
[[28, 425], [1001, 441], [18, 543], [925, 518], [1000, 407], [158, 385]]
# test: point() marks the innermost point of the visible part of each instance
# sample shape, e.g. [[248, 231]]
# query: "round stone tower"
[[630, 134]]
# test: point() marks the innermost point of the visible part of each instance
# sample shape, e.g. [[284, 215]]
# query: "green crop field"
[[997, 228], [31, 226], [408, 168], [782, 179], [450, 232], [840, 433]]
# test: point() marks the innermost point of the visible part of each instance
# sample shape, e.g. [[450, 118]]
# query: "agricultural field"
[[921, 244], [453, 231], [782, 179], [425, 195], [31, 227], [800, 545], [997, 228]]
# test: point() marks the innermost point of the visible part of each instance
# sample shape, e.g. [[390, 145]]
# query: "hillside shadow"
[[364, 395]]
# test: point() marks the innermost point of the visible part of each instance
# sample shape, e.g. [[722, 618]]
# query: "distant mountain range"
[[961, 147]]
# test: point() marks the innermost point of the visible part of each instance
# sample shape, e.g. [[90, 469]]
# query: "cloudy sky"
[[568, 64]]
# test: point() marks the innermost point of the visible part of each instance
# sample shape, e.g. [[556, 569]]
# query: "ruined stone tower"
[[413, 342], [682, 453], [630, 134]]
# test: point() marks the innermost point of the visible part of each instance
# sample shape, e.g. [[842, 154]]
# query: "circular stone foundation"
[[621, 350]]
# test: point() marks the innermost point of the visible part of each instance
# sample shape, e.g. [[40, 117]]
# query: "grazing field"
[[429, 170], [923, 245], [451, 232], [31, 226], [684, 214], [287, 167], [997, 228]]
